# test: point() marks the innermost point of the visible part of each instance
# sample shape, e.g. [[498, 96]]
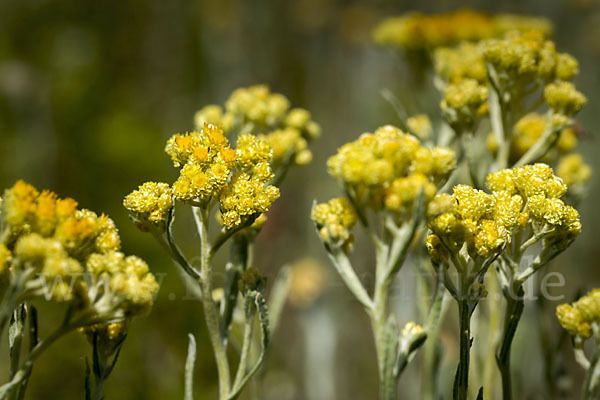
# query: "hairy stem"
[[210, 309]]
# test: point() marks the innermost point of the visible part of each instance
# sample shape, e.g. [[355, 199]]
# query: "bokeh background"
[[91, 90]]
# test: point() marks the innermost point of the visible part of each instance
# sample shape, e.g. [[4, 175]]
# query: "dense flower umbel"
[[463, 102], [521, 197], [389, 168], [335, 220], [152, 201], [541, 192], [456, 63], [210, 169], [257, 110], [54, 245], [529, 54], [577, 319], [415, 31]]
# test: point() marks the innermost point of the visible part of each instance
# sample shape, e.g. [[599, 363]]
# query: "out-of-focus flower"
[[464, 102], [528, 53], [563, 98], [577, 319], [335, 220], [573, 170], [456, 63], [58, 250], [308, 281], [389, 168], [416, 31], [256, 110]]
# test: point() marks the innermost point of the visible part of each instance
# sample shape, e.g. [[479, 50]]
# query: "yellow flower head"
[[152, 201], [571, 319], [464, 101], [563, 98], [527, 53], [466, 217], [540, 203], [437, 251], [380, 166], [335, 220], [54, 243], [238, 177], [463, 61], [19, 205], [420, 125], [573, 170]]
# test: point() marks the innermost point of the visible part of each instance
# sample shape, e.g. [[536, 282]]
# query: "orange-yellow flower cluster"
[[210, 169], [59, 248]]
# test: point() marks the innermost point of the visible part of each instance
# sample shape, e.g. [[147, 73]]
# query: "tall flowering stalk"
[[237, 184], [503, 69], [51, 250], [388, 178], [473, 229]]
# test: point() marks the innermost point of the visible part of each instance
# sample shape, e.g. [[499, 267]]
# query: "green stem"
[[431, 357], [461, 380], [387, 383], [210, 309], [246, 346], [512, 316]]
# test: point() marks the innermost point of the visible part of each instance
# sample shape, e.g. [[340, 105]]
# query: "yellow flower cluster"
[[390, 168], [528, 53], [416, 31], [472, 217], [420, 125], [335, 220], [54, 244], [127, 277], [456, 63], [463, 102], [527, 131], [152, 201], [577, 319], [563, 98], [541, 192], [210, 169], [524, 196], [257, 110], [573, 170]]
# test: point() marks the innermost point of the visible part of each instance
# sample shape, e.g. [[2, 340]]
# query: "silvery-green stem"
[[210, 309]]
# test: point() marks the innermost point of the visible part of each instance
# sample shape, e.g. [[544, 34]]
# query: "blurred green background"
[[91, 90]]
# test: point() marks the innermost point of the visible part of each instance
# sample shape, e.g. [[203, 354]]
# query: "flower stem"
[[461, 380], [387, 383], [210, 310], [512, 316]]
